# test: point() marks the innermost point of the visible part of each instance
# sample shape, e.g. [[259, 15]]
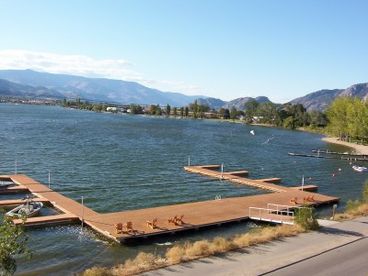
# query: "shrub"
[[305, 217], [175, 254], [365, 192], [351, 205], [198, 249]]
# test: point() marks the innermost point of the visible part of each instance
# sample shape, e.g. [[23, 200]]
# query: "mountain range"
[[33, 84], [321, 99], [58, 86]]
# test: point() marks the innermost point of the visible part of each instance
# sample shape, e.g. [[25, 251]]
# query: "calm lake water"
[[122, 162]]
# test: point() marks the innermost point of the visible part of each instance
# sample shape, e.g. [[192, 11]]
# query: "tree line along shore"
[[345, 118]]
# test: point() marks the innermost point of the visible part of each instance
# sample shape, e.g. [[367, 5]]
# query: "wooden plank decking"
[[196, 215]]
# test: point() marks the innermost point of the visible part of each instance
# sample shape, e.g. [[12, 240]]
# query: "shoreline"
[[359, 149]]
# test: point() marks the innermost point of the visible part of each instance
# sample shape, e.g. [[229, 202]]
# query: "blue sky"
[[225, 49]]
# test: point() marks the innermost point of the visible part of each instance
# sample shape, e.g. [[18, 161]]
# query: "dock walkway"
[[195, 215]]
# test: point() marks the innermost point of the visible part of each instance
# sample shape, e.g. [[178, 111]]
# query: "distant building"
[[257, 119], [111, 109]]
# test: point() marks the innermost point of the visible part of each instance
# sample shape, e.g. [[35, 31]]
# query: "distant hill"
[[93, 89], [321, 99], [213, 103], [240, 102], [29, 83], [8, 88]]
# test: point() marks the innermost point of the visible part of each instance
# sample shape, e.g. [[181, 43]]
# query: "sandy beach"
[[360, 149]]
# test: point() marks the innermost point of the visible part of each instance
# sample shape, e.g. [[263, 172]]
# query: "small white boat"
[[28, 209], [252, 132], [5, 184], [360, 169]]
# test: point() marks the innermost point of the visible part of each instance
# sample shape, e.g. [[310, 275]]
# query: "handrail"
[[259, 213]]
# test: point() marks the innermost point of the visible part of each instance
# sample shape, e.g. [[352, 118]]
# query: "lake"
[[123, 162]]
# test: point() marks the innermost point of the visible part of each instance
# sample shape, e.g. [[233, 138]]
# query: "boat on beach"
[[28, 209], [360, 169]]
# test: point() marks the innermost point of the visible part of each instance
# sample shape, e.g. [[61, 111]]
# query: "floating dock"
[[194, 215]]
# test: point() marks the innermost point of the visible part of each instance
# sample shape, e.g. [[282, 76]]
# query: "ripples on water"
[[122, 162]]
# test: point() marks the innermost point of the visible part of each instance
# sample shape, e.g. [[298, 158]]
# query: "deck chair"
[[119, 228], [179, 220], [129, 227], [152, 224], [173, 220], [294, 200], [310, 198]]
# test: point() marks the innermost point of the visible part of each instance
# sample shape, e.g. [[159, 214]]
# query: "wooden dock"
[[195, 215]]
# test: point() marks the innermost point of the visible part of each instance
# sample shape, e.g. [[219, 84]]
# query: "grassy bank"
[[196, 250], [356, 208]]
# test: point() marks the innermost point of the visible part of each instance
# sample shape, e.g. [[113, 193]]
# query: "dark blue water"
[[121, 162]]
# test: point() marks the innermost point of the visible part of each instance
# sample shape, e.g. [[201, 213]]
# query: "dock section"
[[163, 220]]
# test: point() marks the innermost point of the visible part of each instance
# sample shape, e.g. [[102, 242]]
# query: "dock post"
[[188, 160], [49, 179], [303, 182], [16, 166], [222, 170], [82, 213]]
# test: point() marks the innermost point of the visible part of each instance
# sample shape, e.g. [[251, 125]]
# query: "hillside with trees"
[[348, 119]]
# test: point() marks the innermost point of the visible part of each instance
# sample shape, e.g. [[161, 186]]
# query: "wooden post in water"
[[222, 170], [303, 180], [49, 179], [82, 213], [16, 166], [188, 160]]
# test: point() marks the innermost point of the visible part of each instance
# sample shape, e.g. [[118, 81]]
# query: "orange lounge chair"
[[176, 220], [119, 228], [310, 198], [172, 220], [294, 200], [129, 227], [152, 224], [179, 220]]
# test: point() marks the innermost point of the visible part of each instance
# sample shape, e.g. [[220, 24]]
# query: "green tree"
[[250, 108], [317, 119], [306, 218], [289, 122], [136, 109], [158, 110], [186, 111], [13, 242], [194, 108], [168, 110], [225, 113], [337, 116], [233, 113], [175, 111], [181, 111]]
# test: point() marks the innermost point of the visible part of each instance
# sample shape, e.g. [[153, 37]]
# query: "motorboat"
[[28, 209], [360, 169]]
